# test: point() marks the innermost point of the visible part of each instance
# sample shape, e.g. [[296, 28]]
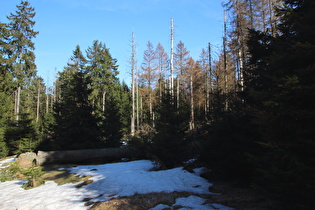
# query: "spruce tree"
[[5, 87], [106, 94], [124, 104], [21, 135], [76, 127], [21, 26], [102, 69], [281, 77], [169, 144]]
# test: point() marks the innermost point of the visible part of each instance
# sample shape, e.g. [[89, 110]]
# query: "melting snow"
[[116, 179], [8, 160]]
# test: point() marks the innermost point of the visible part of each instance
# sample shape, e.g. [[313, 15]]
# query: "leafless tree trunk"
[[225, 64], [172, 60], [103, 100], [47, 101], [192, 112], [18, 99], [137, 97], [178, 89], [209, 90], [38, 103], [133, 83]]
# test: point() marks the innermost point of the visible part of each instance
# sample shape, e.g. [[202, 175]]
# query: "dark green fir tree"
[[281, 78], [75, 126]]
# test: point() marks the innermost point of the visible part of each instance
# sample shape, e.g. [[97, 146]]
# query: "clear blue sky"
[[63, 24]]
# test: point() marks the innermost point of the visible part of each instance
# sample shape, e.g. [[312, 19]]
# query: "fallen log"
[[82, 156]]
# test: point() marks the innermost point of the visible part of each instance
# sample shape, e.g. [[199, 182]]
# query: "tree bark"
[[192, 112], [18, 103], [103, 101], [38, 104], [172, 60]]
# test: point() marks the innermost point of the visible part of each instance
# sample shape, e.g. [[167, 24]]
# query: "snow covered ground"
[[8, 160], [109, 180]]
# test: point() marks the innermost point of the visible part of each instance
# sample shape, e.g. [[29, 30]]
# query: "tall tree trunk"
[[271, 17], [178, 91], [103, 100], [192, 113], [47, 102], [225, 64], [137, 102], [133, 84], [38, 104], [172, 60], [141, 111], [210, 78], [150, 106], [18, 99]]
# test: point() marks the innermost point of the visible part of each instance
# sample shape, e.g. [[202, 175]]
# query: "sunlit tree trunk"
[[47, 101], [210, 80], [192, 109], [18, 99], [172, 60], [38, 103], [103, 100], [133, 71]]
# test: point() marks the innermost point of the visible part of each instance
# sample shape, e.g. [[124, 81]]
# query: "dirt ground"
[[240, 197]]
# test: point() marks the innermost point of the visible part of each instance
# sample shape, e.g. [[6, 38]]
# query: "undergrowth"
[[37, 175], [9, 173]]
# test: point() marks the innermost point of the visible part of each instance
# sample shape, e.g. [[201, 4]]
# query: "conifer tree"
[[281, 78], [24, 69], [102, 69], [76, 127], [6, 87]]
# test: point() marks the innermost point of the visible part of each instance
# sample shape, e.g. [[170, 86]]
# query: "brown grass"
[[229, 194], [64, 176], [240, 197], [142, 201]]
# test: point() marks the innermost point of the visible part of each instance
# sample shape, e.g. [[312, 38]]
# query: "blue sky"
[[63, 24]]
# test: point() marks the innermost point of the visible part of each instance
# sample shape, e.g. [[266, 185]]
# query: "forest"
[[248, 115]]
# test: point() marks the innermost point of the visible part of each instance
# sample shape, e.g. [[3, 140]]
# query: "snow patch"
[[109, 180], [161, 207], [129, 178], [192, 202], [8, 160], [200, 171]]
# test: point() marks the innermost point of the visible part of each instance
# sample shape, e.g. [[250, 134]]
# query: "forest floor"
[[228, 194], [128, 185], [240, 197]]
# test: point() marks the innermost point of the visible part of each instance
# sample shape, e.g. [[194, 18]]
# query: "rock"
[[25, 160]]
